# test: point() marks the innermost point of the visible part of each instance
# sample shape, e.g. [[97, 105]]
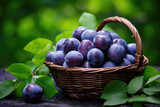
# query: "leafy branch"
[[141, 89], [31, 71]]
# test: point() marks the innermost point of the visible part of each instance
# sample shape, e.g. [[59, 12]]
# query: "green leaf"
[[157, 81], [67, 34], [154, 99], [37, 44], [113, 88], [152, 89], [150, 72], [149, 99], [42, 70], [152, 79], [116, 99], [88, 20], [20, 70], [106, 27], [138, 99], [6, 88], [135, 85], [39, 58], [20, 87], [47, 84], [31, 64]]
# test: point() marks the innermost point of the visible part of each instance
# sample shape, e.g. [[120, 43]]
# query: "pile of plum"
[[91, 49]]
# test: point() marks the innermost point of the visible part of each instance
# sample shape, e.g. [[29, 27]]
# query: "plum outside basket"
[[88, 83]]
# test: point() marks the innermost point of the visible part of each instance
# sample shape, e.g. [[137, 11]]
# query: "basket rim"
[[91, 70]]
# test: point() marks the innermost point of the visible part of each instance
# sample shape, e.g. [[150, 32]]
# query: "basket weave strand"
[[88, 83]]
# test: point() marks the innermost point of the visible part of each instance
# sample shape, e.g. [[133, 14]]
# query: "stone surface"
[[5, 75], [57, 101], [54, 102]]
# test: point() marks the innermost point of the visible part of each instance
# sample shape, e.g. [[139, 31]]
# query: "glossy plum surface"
[[131, 58], [71, 44], [95, 57], [131, 49], [58, 57], [114, 35], [125, 62], [102, 42], [88, 34], [32, 93], [120, 42], [105, 32], [84, 47], [116, 53], [59, 45], [78, 31], [86, 64], [74, 59], [49, 55], [108, 64]]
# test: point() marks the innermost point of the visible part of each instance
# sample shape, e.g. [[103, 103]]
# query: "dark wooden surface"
[[57, 101]]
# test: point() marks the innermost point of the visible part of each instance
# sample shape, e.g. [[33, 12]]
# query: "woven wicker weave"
[[88, 83]]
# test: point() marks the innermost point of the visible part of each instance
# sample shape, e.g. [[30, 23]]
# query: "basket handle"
[[139, 55]]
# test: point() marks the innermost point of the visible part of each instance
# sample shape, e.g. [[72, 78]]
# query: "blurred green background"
[[23, 20]]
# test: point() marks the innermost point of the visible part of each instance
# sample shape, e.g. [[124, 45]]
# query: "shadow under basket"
[[88, 83]]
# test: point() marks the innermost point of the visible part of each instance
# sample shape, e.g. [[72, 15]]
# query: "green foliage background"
[[24, 20]]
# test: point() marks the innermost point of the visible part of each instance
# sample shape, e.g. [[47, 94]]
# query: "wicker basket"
[[88, 83]]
